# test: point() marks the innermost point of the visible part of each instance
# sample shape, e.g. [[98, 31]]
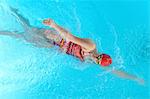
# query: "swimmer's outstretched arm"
[[125, 75], [85, 43]]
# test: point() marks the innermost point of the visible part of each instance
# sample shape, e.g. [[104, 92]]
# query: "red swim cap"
[[106, 60]]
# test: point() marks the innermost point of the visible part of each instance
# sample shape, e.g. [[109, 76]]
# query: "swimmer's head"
[[103, 59]]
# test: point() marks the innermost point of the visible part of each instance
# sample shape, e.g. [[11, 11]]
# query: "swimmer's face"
[[97, 58], [102, 59]]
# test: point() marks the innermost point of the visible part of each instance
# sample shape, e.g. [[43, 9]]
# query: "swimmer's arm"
[[87, 44], [63, 32], [125, 75]]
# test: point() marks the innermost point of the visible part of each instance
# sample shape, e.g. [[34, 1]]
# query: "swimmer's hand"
[[140, 81], [48, 22]]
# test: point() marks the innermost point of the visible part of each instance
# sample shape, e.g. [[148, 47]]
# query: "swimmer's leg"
[[17, 35], [23, 21], [11, 34]]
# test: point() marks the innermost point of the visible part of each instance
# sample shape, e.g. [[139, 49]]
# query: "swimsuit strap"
[[62, 42]]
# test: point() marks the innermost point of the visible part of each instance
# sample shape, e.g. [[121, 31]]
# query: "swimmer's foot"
[[13, 9]]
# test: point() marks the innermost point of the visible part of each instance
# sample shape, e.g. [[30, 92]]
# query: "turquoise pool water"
[[119, 28]]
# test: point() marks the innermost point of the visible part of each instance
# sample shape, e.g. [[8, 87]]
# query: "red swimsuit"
[[71, 48]]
